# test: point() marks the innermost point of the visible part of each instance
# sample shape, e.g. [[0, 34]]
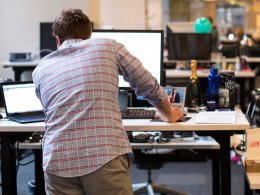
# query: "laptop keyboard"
[[138, 114], [28, 118]]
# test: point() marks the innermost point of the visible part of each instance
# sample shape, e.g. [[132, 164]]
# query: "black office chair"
[[150, 162], [153, 159]]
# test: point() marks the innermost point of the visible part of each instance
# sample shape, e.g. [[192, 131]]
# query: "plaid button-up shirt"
[[78, 88]]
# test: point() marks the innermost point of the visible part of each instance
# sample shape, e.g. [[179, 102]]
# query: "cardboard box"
[[252, 165], [252, 161]]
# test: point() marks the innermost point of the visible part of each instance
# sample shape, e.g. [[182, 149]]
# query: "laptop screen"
[[123, 99], [20, 98]]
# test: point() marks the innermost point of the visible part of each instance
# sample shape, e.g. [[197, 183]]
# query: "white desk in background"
[[10, 131], [252, 59], [20, 67], [174, 73], [212, 60], [8, 64]]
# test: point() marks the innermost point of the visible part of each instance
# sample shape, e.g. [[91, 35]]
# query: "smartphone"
[[183, 119]]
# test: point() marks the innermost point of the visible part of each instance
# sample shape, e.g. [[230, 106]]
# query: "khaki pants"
[[111, 179]]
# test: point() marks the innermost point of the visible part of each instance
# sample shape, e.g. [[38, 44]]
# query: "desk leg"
[[17, 73], [244, 93], [248, 191], [215, 172], [19, 70], [39, 175], [225, 166], [8, 167]]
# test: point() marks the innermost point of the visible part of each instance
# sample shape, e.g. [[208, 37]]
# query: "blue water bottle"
[[212, 89]]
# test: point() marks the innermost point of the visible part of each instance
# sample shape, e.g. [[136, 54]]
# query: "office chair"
[[148, 162]]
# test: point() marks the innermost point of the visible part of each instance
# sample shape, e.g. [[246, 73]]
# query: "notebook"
[[217, 117], [21, 103]]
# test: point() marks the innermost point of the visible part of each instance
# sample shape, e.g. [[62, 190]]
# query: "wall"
[[210, 9], [19, 21], [122, 14], [154, 17], [94, 12], [196, 10], [251, 17]]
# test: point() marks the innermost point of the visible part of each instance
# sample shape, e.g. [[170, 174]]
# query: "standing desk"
[[9, 131]]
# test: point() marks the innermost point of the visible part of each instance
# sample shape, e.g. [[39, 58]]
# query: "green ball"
[[202, 25]]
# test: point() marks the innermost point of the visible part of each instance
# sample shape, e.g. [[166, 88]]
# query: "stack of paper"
[[218, 117]]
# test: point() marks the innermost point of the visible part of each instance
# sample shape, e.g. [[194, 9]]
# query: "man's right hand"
[[175, 115], [168, 112]]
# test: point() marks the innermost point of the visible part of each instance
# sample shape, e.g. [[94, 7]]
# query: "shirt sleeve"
[[140, 79], [37, 91]]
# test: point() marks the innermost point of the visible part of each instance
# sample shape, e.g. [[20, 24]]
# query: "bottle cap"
[[193, 62], [213, 70]]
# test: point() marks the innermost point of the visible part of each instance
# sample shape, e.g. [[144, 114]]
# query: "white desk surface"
[[174, 73], [203, 142], [142, 125], [253, 180], [7, 64]]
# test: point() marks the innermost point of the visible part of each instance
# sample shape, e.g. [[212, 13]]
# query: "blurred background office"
[[20, 20], [234, 23]]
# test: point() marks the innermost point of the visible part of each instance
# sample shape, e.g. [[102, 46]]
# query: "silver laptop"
[[21, 103]]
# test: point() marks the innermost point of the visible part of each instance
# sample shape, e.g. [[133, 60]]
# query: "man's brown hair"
[[72, 23]]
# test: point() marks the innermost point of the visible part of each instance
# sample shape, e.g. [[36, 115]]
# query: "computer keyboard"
[[28, 118], [138, 114]]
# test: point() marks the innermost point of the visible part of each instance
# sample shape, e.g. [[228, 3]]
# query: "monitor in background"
[[146, 45], [188, 46], [47, 40]]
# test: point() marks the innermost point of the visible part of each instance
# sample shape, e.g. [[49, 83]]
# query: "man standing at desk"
[[85, 147]]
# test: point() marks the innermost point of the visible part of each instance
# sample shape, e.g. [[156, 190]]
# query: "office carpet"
[[192, 177]]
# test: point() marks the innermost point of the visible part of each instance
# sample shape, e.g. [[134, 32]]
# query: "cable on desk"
[[22, 158]]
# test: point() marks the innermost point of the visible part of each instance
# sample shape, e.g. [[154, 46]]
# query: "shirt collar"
[[69, 43]]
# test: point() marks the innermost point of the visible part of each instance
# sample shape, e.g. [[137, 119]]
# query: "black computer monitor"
[[146, 45], [47, 40], [189, 46]]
